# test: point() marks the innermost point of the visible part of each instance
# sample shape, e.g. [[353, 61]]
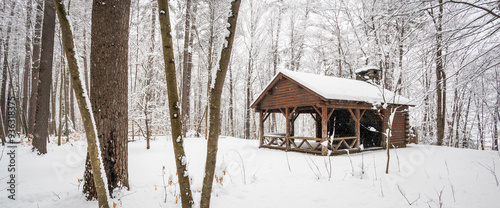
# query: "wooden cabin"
[[348, 114]]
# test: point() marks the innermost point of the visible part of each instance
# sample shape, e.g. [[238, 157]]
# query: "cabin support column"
[[324, 130], [287, 139], [261, 128], [356, 116], [358, 133]]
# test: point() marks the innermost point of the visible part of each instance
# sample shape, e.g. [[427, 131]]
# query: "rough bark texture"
[[215, 100], [42, 114], [173, 104], [109, 86], [35, 64], [84, 106], [186, 70]]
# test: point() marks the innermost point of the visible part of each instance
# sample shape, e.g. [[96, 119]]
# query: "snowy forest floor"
[[427, 176]]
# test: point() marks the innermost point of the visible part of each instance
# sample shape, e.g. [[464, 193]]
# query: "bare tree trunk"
[[149, 75], [215, 101], [210, 63], [85, 61], [173, 105], [496, 117], [40, 131], [85, 108], [35, 65], [186, 69], [465, 142], [273, 127], [71, 104], [53, 94], [231, 103], [2, 129], [27, 59], [247, 103], [109, 90], [59, 135], [3, 93], [440, 79]]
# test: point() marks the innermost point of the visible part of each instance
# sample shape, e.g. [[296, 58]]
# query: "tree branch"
[[476, 6]]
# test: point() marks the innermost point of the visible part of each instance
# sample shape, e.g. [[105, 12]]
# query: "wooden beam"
[[290, 114], [266, 115], [261, 128], [287, 112], [358, 130], [295, 116], [324, 129], [317, 111], [331, 113], [284, 113], [314, 117], [352, 114]]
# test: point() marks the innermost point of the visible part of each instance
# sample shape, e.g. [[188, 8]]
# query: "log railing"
[[308, 144]]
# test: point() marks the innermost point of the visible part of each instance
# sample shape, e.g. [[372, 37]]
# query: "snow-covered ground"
[[427, 176]]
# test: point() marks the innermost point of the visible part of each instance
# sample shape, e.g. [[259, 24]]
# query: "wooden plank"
[[343, 138], [307, 138]]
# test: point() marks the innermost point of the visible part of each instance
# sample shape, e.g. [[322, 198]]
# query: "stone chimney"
[[369, 74]]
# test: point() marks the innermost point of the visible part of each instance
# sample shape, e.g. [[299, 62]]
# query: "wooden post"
[[287, 139], [356, 116], [324, 129], [261, 128], [358, 133]]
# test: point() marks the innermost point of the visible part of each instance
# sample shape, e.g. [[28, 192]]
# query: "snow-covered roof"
[[366, 68], [335, 88]]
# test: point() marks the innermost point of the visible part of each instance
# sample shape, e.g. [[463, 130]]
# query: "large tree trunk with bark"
[[109, 86], [215, 101], [85, 108], [35, 65], [42, 114], [173, 104]]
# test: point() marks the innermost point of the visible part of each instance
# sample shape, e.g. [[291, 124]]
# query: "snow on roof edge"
[[348, 89]]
